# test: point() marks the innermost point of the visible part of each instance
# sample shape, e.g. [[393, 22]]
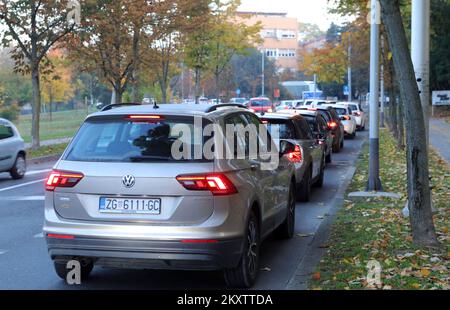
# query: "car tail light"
[[144, 118], [347, 118], [356, 113], [62, 179], [295, 156], [332, 125], [217, 184]]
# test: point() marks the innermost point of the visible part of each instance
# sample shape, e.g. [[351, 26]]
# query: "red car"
[[261, 104]]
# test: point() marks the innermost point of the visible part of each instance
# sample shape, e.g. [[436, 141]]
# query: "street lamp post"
[[420, 53], [349, 69], [262, 74], [382, 90], [374, 183]]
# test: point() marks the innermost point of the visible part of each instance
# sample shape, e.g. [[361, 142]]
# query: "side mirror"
[[286, 147]]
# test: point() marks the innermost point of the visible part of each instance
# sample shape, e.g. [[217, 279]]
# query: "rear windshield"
[[285, 127], [260, 103], [341, 111], [325, 115], [121, 140]]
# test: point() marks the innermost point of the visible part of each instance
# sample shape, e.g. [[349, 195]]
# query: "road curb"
[[317, 247], [43, 159]]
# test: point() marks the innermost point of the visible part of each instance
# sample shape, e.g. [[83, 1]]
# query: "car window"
[[325, 115], [286, 128], [305, 130], [260, 103], [322, 124], [312, 123], [341, 111], [121, 140], [6, 132], [241, 140]]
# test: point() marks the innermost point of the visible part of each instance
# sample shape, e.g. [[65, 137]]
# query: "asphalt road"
[[24, 263], [440, 137]]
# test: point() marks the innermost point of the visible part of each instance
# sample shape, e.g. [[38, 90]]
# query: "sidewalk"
[[50, 142], [440, 137]]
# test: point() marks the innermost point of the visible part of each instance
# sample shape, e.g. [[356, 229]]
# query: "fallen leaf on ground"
[[316, 276]]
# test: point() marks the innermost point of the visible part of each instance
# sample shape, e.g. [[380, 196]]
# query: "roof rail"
[[118, 105], [225, 105]]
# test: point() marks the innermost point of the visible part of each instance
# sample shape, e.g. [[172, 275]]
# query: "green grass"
[[63, 124], [55, 149], [374, 229]]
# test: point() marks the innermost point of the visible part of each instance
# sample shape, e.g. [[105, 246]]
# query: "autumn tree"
[[32, 28], [56, 84], [229, 36]]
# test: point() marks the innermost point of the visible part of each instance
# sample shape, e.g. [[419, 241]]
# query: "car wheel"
[[244, 275], [319, 182], [337, 147], [62, 270], [342, 143], [19, 168], [286, 230], [304, 193], [328, 159], [353, 135]]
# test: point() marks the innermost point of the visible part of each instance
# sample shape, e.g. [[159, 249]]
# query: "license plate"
[[130, 205]]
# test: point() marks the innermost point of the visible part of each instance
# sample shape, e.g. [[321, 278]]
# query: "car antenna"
[[155, 105]]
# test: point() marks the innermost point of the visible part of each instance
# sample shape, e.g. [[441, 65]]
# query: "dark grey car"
[[309, 158], [12, 150]]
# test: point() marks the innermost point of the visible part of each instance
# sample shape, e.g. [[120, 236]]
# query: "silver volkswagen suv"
[[120, 197]]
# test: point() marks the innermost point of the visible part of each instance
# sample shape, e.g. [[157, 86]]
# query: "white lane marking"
[[21, 185], [33, 172], [3, 251], [39, 235], [26, 198]]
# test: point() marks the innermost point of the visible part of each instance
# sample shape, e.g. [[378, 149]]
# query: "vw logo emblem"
[[128, 181]]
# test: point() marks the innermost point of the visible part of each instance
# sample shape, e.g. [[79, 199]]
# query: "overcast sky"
[[308, 11]]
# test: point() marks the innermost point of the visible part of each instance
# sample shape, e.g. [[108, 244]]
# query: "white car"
[[357, 112], [12, 150], [347, 119]]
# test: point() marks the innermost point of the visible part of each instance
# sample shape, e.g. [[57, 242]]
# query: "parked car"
[[118, 197], [309, 156], [334, 124], [285, 105], [12, 150], [242, 101], [215, 101], [357, 112], [261, 105], [320, 130], [348, 120]]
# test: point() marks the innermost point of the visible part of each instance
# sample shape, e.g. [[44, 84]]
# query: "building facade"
[[280, 37]]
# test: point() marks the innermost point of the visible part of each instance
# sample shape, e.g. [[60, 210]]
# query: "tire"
[[61, 269], [287, 228], [244, 275], [319, 182], [20, 167], [304, 192], [337, 148], [342, 143], [353, 136], [329, 158]]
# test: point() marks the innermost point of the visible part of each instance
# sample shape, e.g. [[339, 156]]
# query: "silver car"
[[119, 198], [309, 154], [12, 150]]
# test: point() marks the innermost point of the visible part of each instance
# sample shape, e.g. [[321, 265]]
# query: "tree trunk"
[[400, 125], [419, 194], [198, 73], [135, 74], [393, 111], [36, 107]]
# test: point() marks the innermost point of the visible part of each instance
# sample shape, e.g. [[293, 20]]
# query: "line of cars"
[[118, 197]]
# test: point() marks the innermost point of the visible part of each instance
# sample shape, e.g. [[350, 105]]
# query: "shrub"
[[10, 112]]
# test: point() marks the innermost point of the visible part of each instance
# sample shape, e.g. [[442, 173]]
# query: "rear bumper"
[[144, 254]]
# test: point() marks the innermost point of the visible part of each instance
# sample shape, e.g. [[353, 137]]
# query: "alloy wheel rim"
[[20, 166], [252, 247]]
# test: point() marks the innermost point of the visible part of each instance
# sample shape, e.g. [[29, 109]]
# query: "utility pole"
[[420, 53], [383, 97], [262, 70], [374, 183], [315, 85]]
